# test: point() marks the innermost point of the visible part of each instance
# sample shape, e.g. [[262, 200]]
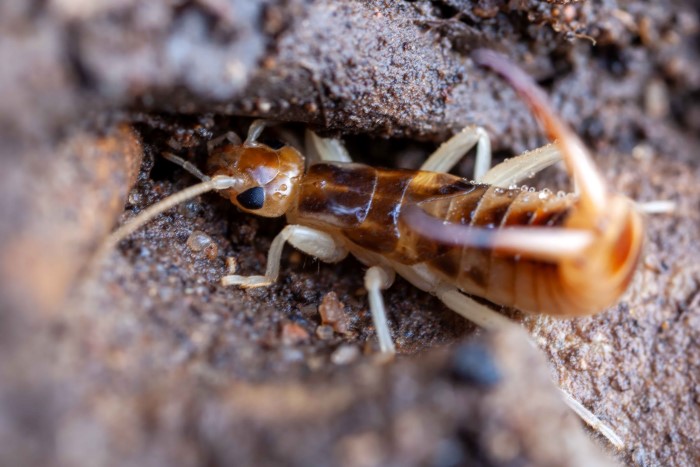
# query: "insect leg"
[[479, 314], [486, 318], [310, 241], [232, 137], [452, 150], [515, 169], [658, 207], [255, 129], [325, 149], [592, 420], [378, 278]]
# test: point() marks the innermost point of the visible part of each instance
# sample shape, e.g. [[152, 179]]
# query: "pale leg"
[[592, 420], [479, 314], [310, 241], [658, 207], [232, 138], [452, 150], [378, 278], [255, 129], [486, 318], [515, 169], [325, 149]]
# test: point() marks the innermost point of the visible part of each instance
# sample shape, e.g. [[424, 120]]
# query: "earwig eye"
[[252, 198], [272, 143]]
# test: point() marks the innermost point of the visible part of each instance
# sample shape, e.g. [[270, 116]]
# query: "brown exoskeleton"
[[566, 255]]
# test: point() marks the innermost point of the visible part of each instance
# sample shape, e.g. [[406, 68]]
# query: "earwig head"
[[596, 278], [268, 175]]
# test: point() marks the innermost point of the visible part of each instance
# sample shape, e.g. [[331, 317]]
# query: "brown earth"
[[148, 360]]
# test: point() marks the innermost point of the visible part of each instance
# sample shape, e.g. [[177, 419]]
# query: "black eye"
[[252, 198], [272, 143]]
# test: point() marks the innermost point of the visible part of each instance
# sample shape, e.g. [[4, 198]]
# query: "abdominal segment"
[[364, 205]]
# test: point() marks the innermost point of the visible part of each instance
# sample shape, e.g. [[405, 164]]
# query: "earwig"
[[569, 255]]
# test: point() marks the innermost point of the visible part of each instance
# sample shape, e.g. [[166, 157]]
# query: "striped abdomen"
[[365, 204]]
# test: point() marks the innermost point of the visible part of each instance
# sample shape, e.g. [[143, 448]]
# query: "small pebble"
[[293, 334], [332, 312], [345, 354], [199, 241], [324, 332]]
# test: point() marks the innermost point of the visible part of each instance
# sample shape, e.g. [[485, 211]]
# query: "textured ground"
[[149, 361]]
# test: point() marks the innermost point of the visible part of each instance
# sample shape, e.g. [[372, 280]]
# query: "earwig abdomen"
[[364, 205], [599, 275]]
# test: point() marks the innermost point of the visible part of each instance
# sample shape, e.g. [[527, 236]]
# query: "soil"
[[146, 359]]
